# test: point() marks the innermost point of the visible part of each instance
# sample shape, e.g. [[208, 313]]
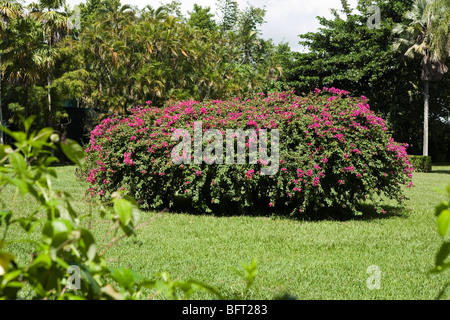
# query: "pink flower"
[[315, 181], [127, 159], [249, 174]]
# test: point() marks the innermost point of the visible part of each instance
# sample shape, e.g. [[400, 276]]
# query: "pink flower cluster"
[[127, 158]]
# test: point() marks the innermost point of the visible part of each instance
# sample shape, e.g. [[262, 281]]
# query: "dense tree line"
[[119, 56], [346, 53]]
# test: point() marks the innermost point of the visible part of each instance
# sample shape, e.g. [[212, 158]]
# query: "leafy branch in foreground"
[[442, 263], [64, 244]]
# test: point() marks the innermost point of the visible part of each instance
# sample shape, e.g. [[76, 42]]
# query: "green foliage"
[[64, 246], [345, 53], [63, 242], [442, 212], [229, 14], [334, 153], [421, 163], [122, 56], [202, 18]]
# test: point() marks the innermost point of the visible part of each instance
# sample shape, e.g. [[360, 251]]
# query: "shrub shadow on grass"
[[441, 171], [441, 168], [368, 212]]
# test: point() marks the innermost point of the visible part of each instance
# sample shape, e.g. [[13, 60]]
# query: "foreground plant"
[[442, 262], [66, 256]]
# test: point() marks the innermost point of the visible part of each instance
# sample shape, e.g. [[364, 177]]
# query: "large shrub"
[[333, 152]]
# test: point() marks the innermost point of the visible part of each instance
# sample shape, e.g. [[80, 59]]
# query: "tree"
[[228, 11], [8, 10], [249, 21], [22, 55], [420, 38], [202, 18], [345, 53], [55, 27], [440, 28], [128, 57]]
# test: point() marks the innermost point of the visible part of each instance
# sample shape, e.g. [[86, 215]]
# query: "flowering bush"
[[333, 152]]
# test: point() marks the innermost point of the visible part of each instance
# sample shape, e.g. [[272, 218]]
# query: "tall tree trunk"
[[49, 98], [425, 116], [26, 101]]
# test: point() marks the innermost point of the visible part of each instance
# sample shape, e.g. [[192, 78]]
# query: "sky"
[[285, 19]]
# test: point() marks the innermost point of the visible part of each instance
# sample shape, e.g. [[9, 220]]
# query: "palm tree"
[[55, 26], [115, 15], [21, 57], [440, 28], [423, 37], [8, 10]]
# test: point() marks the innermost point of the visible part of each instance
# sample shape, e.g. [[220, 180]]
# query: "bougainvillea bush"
[[334, 152]]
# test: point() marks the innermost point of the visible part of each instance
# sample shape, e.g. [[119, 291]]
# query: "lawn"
[[324, 259]]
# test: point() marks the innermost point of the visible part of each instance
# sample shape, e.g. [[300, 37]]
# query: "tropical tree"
[[440, 28], [127, 57], [55, 27], [202, 18], [228, 14], [427, 36], [22, 55], [8, 10]]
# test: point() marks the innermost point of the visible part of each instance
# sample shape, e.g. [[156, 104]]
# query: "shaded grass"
[[325, 259]]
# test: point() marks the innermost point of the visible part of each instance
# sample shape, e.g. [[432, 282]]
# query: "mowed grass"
[[325, 259]]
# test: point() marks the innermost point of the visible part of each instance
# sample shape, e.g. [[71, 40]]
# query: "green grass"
[[308, 259]]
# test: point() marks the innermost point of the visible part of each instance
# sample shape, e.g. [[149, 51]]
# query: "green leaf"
[[5, 217], [5, 261], [126, 278], [443, 222], [74, 152], [18, 162], [441, 207], [21, 185], [58, 241], [87, 243], [443, 253], [11, 288], [47, 164], [28, 223], [123, 208], [57, 226], [28, 122], [20, 137]]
